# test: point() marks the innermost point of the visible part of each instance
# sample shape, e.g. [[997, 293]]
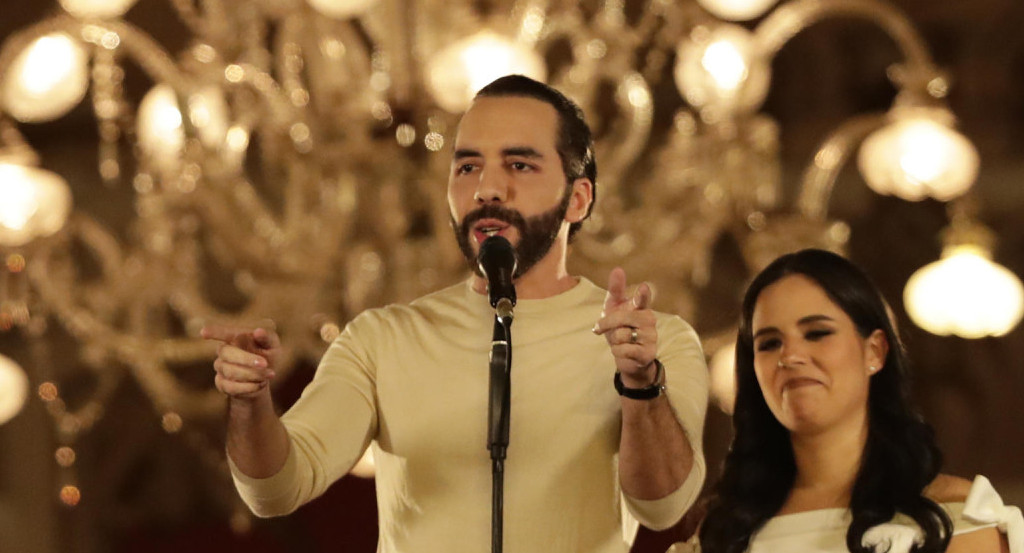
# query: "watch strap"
[[648, 392]]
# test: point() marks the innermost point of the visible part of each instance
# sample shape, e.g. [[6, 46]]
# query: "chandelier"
[[290, 164]]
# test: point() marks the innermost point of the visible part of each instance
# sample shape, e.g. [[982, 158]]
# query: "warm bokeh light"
[[161, 127], [100, 9], [48, 391], [33, 203], [70, 495], [16, 263], [737, 10], [13, 389], [722, 384], [65, 456], [342, 9], [46, 80], [456, 73], [721, 68], [917, 156], [171, 423], [966, 294]]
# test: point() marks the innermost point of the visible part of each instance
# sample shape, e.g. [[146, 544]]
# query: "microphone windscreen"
[[497, 260]]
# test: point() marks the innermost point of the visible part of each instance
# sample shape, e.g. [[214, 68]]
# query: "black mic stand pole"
[[498, 406]]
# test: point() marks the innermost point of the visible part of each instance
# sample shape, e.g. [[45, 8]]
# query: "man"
[[413, 380]]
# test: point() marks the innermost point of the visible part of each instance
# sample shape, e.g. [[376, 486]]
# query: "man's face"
[[506, 179]]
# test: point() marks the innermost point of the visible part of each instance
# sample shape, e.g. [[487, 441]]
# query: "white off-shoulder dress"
[[824, 530]]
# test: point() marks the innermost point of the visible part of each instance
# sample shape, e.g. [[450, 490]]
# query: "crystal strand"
[[108, 103]]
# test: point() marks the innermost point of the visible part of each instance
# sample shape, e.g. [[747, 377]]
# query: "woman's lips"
[[800, 382]]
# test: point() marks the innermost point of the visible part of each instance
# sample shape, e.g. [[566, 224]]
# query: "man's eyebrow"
[[511, 151], [463, 153], [522, 151]]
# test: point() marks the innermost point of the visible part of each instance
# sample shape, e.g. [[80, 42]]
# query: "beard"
[[536, 234]]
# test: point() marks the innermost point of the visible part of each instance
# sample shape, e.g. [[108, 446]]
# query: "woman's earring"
[[872, 369]]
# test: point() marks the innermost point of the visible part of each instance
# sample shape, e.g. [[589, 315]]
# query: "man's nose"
[[492, 187]]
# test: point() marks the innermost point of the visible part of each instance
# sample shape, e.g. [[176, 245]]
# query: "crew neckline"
[[574, 295]]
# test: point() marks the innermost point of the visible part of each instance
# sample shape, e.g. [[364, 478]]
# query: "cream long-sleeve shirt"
[[413, 381]]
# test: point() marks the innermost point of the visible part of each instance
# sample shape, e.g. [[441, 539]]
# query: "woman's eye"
[[818, 333], [767, 344], [464, 168]]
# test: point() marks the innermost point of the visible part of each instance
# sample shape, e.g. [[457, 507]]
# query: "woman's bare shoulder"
[[948, 489]]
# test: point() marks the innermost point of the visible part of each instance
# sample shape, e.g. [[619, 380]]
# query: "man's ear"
[[877, 346], [582, 192]]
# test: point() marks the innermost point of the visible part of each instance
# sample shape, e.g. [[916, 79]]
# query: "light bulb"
[[46, 80], [33, 203], [736, 10], [456, 73], [919, 155], [342, 9], [726, 65], [966, 294], [161, 127], [13, 389], [100, 9], [722, 69]]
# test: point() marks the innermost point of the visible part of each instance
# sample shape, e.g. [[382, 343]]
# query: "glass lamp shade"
[[100, 9], [161, 128], [33, 203], [722, 69], [46, 80], [722, 384], [457, 72], [917, 157], [966, 294], [736, 10], [13, 389], [342, 9]]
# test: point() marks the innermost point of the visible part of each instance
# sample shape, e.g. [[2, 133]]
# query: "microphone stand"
[[498, 405]]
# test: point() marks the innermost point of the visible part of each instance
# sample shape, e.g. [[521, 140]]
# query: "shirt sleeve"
[[686, 383], [329, 426]]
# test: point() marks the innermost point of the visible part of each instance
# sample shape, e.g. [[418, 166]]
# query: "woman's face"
[[813, 367]]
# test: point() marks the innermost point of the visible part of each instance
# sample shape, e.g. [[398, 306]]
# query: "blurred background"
[[167, 163]]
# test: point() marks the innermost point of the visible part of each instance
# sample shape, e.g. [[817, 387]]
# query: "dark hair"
[[900, 457], [574, 142]]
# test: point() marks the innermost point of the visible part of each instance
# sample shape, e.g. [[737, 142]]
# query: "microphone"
[[497, 260]]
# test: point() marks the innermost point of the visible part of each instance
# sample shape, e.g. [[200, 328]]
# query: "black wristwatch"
[[650, 392]]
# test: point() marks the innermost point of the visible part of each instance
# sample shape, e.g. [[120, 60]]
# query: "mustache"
[[493, 211]]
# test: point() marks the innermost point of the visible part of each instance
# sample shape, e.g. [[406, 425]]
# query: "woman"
[[827, 450]]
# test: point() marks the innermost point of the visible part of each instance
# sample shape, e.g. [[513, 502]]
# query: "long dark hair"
[[899, 459]]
